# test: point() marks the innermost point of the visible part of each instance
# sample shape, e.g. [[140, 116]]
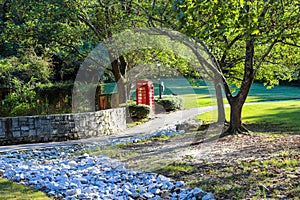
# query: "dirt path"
[[195, 148]]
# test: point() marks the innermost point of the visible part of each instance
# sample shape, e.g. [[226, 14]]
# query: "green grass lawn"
[[197, 100], [11, 190], [259, 92], [200, 93], [280, 116]]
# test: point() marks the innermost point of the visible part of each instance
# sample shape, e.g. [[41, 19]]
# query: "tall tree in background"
[[65, 31], [43, 29]]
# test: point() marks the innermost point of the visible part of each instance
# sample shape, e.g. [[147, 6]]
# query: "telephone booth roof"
[[144, 82]]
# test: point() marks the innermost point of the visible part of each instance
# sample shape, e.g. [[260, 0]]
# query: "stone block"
[[32, 132], [44, 123], [15, 122], [46, 130], [24, 128], [69, 118], [46, 138], [2, 133], [39, 132], [49, 117], [31, 120], [25, 133], [58, 118], [37, 122], [61, 131], [23, 123], [82, 123], [16, 134], [23, 119]]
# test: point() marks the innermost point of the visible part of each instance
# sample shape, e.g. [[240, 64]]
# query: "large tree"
[[248, 39]]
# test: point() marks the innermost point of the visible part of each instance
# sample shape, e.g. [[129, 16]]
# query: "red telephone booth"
[[145, 93]]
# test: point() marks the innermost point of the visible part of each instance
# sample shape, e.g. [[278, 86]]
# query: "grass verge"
[[267, 117], [11, 190]]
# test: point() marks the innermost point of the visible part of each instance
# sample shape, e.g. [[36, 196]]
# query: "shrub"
[[20, 102], [170, 102], [139, 111]]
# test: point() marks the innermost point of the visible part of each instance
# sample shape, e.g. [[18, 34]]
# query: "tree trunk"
[[128, 88], [220, 103], [235, 117], [235, 125], [119, 71], [237, 102], [122, 91]]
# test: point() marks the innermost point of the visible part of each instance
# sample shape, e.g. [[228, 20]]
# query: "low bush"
[[139, 111], [170, 102]]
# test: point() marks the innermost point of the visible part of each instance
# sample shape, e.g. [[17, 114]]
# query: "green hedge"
[[139, 111], [170, 102]]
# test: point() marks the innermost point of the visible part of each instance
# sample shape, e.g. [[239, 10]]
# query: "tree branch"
[[264, 12], [223, 58], [89, 24], [289, 43], [272, 62], [70, 46], [225, 39], [262, 59], [212, 57], [234, 77], [233, 63]]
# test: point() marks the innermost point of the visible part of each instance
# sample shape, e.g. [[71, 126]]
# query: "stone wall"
[[32, 129]]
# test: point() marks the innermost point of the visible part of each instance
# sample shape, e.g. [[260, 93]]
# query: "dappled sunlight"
[[277, 116], [281, 116]]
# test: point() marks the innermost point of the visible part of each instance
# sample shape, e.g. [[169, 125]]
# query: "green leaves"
[[255, 32], [225, 26], [21, 101], [24, 69]]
